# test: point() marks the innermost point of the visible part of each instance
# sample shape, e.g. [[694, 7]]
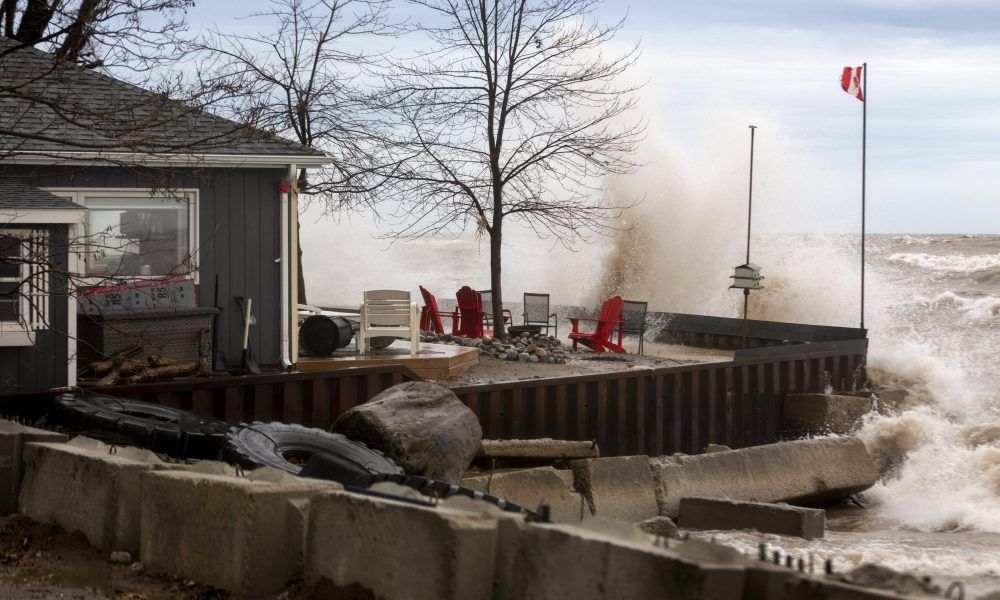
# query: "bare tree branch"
[[514, 112]]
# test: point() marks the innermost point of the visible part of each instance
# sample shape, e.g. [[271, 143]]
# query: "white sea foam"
[[956, 263], [973, 308]]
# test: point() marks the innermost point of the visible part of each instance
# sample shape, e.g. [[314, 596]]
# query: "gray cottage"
[[90, 168]]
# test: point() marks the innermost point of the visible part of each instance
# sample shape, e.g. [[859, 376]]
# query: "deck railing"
[[654, 412]]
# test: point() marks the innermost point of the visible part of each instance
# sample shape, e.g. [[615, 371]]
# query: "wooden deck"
[[433, 361]]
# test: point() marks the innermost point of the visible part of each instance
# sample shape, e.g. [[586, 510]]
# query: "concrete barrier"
[[799, 472], [242, 534], [13, 437], [783, 519], [807, 414], [533, 487], [620, 487], [81, 486], [398, 551], [588, 563]]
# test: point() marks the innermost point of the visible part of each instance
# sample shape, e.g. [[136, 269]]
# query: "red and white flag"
[[851, 82]]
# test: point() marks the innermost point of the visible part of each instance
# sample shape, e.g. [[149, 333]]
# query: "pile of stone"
[[526, 347]]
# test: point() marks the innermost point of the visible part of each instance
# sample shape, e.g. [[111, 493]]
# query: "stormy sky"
[[713, 67]]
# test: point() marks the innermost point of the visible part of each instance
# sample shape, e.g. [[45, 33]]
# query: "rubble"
[[421, 425], [526, 347]]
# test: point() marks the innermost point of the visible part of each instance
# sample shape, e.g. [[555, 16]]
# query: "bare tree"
[[304, 78], [126, 33], [513, 113]]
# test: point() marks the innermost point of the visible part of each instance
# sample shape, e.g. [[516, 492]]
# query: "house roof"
[[52, 108], [15, 194]]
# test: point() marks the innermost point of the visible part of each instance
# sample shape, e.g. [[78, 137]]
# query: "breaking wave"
[[955, 263], [973, 308]]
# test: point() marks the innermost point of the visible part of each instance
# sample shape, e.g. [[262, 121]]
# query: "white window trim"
[[33, 312], [79, 196]]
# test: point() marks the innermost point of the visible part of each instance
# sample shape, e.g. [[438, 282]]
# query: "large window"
[[24, 268], [138, 233]]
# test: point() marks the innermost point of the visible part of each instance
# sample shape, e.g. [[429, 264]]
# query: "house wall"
[[239, 237], [43, 365]]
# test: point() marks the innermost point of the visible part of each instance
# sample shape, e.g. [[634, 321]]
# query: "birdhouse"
[[747, 277]]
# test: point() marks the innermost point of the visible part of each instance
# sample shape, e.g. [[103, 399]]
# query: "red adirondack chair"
[[430, 315], [599, 340], [470, 313]]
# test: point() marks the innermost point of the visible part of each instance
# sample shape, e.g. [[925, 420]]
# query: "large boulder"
[[421, 425]]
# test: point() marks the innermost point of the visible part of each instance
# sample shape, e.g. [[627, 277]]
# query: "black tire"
[[162, 429], [289, 447], [443, 489], [381, 342]]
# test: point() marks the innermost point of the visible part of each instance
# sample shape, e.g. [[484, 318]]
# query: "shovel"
[[247, 364]]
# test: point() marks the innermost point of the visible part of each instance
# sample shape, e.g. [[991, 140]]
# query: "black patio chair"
[[634, 315], [487, 296], [536, 312]]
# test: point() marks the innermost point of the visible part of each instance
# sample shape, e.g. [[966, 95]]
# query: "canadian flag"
[[851, 82]]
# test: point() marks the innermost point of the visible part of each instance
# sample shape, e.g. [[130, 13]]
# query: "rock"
[[421, 425], [716, 448], [661, 526], [523, 357], [884, 578], [136, 567], [120, 557], [512, 355], [531, 348], [541, 353], [532, 358]]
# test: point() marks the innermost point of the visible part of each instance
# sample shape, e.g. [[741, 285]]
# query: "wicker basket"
[[179, 333]]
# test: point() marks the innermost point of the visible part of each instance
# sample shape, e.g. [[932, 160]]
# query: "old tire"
[[162, 429], [381, 342], [443, 489], [289, 447]]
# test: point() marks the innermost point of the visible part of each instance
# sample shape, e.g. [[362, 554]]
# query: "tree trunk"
[[496, 239]]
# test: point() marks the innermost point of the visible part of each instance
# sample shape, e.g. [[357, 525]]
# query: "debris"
[[120, 557], [421, 425], [661, 527]]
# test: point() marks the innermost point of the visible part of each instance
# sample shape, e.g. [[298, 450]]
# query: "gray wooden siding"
[[42, 366], [239, 237]]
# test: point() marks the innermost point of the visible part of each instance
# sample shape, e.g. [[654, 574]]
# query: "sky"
[[712, 68]]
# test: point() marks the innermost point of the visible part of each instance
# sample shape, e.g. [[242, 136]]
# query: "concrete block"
[[783, 519], [556, 562], [620, 487], [890, 399], [245, 535], [13, 437], [533, 487], [399, 551], [546, 448], [81, 486], [808, 414], [798, 472]]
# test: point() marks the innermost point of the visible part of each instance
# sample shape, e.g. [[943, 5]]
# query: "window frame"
[[80, 195], [33, 306]]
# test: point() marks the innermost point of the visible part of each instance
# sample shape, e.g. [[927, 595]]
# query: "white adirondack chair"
[[388, 313]]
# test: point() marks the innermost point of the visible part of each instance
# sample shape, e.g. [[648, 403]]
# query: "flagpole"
[[864, 144]]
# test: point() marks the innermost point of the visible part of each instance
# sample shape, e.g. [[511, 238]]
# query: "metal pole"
[[753, 128], [746, 292], [864, 145]]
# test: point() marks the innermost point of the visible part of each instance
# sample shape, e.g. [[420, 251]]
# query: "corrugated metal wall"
[[655, 412]]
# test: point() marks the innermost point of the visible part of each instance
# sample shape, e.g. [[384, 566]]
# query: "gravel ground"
[[490, 370]]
